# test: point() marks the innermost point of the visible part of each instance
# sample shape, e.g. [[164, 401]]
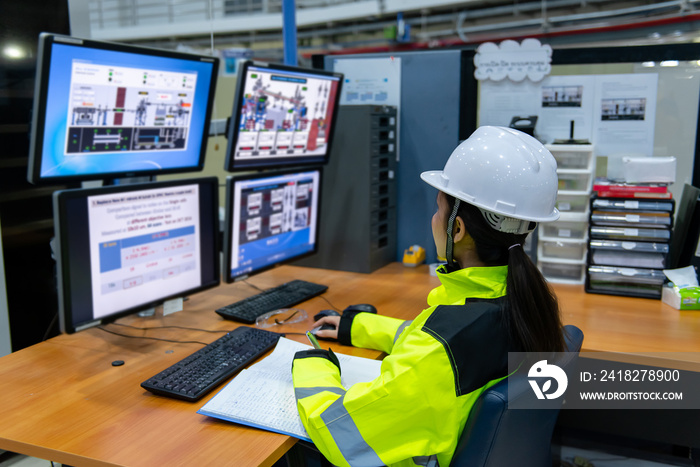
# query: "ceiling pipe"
[[517, 35]]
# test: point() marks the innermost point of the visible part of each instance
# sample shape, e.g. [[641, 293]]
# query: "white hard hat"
[[504, 172]]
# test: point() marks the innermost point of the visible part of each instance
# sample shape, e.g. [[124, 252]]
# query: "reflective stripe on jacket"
[[437, 366]]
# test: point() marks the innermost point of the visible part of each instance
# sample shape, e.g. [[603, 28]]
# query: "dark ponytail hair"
[[532, 310]]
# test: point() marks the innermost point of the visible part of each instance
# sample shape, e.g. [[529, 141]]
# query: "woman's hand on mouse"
[[328, 333]]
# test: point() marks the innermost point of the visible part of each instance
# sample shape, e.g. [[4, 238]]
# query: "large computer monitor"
[[282, 116], [104, 110], [125, 248], [271, 218]]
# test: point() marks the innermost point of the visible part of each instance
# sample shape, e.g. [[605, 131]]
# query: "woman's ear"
[[459, 230]]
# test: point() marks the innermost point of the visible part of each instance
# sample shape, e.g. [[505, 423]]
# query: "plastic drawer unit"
[[630, 234], [573, 203], [626, 218], [562, 249], [563, 271], [565, 228], [630, 254], [575, 181], [631, 204], [629, 246], [563, 244], [573, 156], [638, 282]]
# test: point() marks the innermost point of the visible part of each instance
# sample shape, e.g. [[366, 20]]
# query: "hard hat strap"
[[449, 247]]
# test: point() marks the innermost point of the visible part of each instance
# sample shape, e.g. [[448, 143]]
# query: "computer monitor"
[[125, 248], [105, 110], [686, 231], [271, 218], [282, 116]]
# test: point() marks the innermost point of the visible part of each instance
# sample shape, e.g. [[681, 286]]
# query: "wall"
[[429, 131]]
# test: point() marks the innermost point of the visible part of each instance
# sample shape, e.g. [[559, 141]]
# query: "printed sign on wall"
[[512, 60]]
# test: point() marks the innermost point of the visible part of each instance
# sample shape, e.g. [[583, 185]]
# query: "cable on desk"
[[253, 285], [328, 301], [150, 338], [176, 327]]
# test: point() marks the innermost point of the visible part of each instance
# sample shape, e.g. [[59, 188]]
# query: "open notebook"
[[262, 396]]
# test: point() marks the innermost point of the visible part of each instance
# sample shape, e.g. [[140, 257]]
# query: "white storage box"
[[562, 249], [573, 203], [573, 227], [649, 169], [573, 156], [562, 271], [577, 181]]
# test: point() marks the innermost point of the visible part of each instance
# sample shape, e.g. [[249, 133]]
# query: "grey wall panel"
[[429, 129], [5, 345]]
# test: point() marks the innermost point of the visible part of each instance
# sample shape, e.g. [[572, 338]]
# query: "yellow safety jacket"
[[436, 368]]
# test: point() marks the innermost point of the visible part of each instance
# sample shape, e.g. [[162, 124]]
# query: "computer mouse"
[[323, 313], [324, 327], [366, 307]]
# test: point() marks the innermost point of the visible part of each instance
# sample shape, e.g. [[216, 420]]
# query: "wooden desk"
[[64, 401]]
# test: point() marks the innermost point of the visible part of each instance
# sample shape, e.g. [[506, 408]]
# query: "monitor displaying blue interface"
[[125, 248], [106, 110], [270, 219], [282, 116]]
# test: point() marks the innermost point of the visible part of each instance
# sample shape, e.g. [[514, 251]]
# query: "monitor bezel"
[[230, 163], [37, 129], [62, 252], [228, 219]]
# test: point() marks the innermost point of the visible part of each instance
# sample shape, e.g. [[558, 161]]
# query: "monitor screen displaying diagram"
[[126, 109], [270, 219], [107, 110], [282, 116]]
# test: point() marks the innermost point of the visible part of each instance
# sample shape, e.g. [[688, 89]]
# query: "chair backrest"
[[497, 436]]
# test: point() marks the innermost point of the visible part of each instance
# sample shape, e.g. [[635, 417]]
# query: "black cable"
[[328, 301], [164, 327], [151, 338], [253, 285]]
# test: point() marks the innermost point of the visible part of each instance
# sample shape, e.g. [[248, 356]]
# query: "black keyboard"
[[282, 296], [194, 376]]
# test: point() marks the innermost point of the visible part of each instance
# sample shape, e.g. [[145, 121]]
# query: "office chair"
[[495, 436]]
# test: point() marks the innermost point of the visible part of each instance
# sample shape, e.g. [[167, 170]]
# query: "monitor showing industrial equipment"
[[104, 110], [271, 218], [282, 116]]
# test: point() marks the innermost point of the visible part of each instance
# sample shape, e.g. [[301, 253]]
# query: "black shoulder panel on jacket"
[[476, 341]]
